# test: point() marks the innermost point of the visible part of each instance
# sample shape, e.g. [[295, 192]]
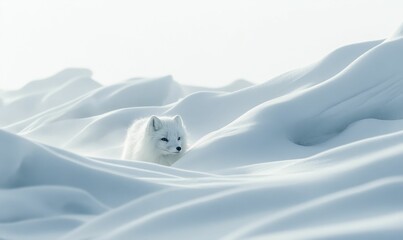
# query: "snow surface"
[[316, 153]]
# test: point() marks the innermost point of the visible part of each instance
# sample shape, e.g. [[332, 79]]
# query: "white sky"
[[198, 42]]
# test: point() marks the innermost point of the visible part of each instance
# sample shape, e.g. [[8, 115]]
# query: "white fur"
[[143, 141]]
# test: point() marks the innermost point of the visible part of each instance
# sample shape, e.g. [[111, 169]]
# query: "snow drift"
[[315, 153]]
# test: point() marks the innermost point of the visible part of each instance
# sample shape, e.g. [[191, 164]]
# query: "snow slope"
[[316, 153], [41, 95]]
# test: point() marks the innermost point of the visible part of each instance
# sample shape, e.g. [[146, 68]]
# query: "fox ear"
[[178, 119], [154, 123]]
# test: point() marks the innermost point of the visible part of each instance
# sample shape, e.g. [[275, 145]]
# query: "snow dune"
[[41, 95], [315, 153]]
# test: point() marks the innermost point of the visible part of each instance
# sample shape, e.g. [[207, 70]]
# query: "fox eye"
[[164, 139], [179, 138]]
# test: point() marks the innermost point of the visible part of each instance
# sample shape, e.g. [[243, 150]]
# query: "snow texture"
[[315, 153]]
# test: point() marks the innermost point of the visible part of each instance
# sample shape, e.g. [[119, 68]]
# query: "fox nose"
[[178, 148]]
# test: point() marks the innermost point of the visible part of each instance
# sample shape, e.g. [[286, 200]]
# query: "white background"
[[198, 42]]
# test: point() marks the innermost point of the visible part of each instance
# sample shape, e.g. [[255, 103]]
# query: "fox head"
[[167, 134]]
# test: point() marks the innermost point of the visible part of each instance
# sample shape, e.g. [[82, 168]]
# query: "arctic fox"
[[156, 139]]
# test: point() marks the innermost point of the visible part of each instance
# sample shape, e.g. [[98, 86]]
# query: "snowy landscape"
[[314, 153]]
